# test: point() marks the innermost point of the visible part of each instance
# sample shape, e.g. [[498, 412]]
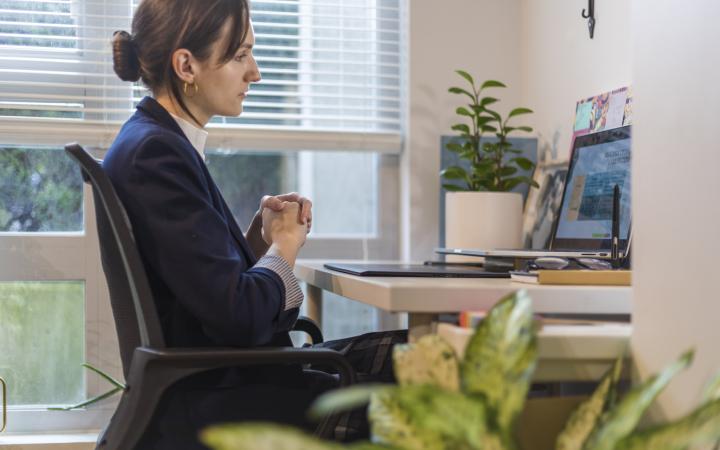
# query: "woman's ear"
[[182, 62]]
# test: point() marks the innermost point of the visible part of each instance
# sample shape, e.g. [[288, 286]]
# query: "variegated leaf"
[[584, 419], [431, 418], [430, 360], [261, 436], [622, 420], [344, 399], [390, 424], [712, 390], [500, 358], [370, 446], [699, 428]]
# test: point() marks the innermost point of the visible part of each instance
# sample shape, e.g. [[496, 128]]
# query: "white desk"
[[424, 298], [566, 353]]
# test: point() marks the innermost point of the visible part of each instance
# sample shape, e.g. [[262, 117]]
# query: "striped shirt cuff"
[[293, 294]]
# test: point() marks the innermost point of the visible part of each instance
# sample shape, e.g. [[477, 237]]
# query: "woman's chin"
[[232, 111]]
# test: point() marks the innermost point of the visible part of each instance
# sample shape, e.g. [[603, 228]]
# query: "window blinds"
[[332, 74]]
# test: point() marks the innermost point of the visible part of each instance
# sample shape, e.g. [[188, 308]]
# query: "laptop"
[[413, 270], [583, 227]]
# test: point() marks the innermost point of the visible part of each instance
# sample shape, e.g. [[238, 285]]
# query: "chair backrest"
[[132, 301]]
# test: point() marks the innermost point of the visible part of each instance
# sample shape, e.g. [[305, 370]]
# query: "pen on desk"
[[615, 236]]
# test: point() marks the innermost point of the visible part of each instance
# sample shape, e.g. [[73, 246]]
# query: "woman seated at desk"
[[213, 285]]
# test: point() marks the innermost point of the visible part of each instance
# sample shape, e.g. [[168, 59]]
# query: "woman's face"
[[222, 88]]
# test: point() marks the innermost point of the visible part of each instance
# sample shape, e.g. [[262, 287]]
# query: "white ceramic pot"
[[482, 220]]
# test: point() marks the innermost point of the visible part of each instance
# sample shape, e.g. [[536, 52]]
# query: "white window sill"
[[36, 441]]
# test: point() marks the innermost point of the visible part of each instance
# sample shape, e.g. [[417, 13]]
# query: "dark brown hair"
[[160, 27]]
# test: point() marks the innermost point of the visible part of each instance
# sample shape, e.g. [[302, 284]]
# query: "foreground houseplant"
[[494, 168], [444, 403]]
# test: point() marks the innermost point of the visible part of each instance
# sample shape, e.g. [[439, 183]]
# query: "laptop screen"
[[599, 162]]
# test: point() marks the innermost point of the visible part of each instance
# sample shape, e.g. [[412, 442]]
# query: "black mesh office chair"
[[150, 367]]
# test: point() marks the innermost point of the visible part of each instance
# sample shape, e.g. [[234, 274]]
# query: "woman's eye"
[[240, 57]]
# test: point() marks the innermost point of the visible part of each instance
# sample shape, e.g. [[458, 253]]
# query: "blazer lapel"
[[151, 107]]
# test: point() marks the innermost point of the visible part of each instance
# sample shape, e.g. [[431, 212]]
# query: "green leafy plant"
[[443, 402], [490, 169], [119, 387]]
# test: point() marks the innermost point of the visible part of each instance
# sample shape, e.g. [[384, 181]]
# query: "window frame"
[[67, 256]]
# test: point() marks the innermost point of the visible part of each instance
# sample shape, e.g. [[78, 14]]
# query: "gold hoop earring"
[[192, 85]]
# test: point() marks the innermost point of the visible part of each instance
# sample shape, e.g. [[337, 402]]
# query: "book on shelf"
[[576, 277]]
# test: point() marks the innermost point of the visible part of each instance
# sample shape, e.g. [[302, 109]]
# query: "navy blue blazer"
[[199, 265]]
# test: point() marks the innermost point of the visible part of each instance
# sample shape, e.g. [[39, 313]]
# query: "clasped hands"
[[286, 219]]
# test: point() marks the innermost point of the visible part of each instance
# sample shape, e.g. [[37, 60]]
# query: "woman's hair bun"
[[125, 59]]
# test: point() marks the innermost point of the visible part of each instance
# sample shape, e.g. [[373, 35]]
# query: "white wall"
[[561, 64], [676, 158], [480, 36], [539, 48]]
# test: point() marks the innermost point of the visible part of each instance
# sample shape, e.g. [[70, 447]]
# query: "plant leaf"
[[390, 424], [584, 419], [454, 147], [698, 429], [369, 446], [518, 111], [492, 83], [483, 120], [453, 188], [430, 360], [454, 173], [424, 417], [488, 129], [467, 76], [524, 163], [488, 101], [712, 389], [509, 183], [489, 146], [344, 399], [527, 129], [463, 111], [482, 170], [261, 436], [500, 359], [495, 115], [507, 170], [457, 90], [461, 127], [89, 402], [622, 420], [110, 379]]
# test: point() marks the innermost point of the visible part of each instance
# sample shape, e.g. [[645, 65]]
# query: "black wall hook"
[[590, 15]]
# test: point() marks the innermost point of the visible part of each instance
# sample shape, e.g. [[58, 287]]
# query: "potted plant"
[[444, 401], [480, 210]]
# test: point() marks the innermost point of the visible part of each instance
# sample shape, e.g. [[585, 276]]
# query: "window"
[[326, 121]]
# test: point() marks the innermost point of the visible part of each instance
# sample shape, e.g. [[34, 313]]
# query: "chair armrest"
[[187, 361], [309, 326], [153, 371]]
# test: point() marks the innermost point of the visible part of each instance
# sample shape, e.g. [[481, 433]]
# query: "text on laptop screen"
[[586, 211]]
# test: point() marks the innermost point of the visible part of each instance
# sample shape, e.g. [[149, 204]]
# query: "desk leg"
[[420, 324], [314, 303]]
